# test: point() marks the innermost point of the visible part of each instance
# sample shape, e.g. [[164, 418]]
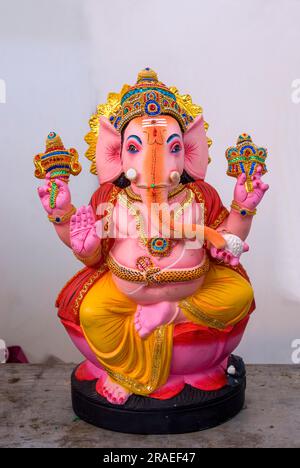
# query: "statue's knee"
[[247, 294], [86, 315]]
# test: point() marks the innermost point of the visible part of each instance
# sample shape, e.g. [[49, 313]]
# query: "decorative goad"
[[57, 163], [245, 157]]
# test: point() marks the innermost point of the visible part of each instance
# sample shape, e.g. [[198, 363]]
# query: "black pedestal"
[[191, 410]]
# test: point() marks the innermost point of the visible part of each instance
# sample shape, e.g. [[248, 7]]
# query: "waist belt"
[[154, 275]]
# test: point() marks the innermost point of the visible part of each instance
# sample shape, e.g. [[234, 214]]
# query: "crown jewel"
[[149, 97]]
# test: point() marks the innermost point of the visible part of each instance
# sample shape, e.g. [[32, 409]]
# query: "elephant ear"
[[108, 152], [196, 149]]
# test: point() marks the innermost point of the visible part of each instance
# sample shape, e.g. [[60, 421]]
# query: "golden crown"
[[148, 96]]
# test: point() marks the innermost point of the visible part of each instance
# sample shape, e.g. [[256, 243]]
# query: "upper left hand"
[[250, 200]]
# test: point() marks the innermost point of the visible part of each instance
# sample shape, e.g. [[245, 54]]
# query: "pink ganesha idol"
[[162, 300]]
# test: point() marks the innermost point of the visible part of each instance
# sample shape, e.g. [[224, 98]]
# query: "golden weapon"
[[56, 161], [244, 158]]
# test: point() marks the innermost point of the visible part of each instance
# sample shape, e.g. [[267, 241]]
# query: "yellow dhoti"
[[142, 365]]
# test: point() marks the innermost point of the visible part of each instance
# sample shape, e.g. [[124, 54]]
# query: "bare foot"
[[114, 393], [149, 317]]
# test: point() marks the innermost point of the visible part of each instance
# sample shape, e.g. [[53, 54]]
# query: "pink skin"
[[206, 372], [157, 306], [63, 205], [235, 223], [145, 321], [84, 240], [226, 256], [153, 313], [113, 392], [78, 233]]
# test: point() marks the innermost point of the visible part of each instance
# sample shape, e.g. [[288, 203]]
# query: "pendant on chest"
[[159, 246]]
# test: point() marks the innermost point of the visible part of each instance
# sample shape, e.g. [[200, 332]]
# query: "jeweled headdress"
[[147, 97]]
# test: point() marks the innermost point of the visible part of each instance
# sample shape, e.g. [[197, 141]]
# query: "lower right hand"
[[83, 236]]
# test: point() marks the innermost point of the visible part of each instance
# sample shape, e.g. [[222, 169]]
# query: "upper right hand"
[[63, 199]]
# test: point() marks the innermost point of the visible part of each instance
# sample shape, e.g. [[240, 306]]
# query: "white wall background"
[[59, 59]]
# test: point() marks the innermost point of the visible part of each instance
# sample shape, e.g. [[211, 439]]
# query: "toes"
[[144, 333], [137, 320], [137, 324]]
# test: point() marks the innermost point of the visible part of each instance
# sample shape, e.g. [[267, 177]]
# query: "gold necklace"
[[135, 197], [163, 247]]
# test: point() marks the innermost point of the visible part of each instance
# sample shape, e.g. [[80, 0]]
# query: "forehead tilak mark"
[[154, 122]]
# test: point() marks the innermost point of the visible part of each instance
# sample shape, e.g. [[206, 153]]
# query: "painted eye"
[[176, 148], [132, 149]]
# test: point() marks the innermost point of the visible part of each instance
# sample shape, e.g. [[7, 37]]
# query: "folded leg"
[[223, 300], [133, 364]]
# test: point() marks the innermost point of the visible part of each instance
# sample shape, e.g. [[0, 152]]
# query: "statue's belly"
[[127, 251]]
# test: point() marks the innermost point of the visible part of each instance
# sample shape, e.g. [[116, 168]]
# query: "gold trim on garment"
[[95, 276], [135, 386], [220, 218], [200, 198], [196, 312], [154, 275]]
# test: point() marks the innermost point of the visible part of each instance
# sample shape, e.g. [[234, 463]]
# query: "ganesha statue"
[[162, 300]]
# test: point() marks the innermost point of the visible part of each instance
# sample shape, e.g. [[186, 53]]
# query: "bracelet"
[[243, 211], [64, 218], [92, 259]]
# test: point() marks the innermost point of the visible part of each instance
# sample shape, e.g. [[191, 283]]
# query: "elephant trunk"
[[155, 195], [162, 223]]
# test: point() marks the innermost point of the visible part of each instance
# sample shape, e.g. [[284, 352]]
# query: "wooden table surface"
[[36, 411]]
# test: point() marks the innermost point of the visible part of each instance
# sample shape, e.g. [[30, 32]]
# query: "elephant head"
[[146, 139], [153, 152]]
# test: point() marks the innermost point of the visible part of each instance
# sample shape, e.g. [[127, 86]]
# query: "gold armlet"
[[64, 218], [243, 211], [92, 259]]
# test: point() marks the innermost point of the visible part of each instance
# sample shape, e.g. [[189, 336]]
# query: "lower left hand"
[[232, 252]]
